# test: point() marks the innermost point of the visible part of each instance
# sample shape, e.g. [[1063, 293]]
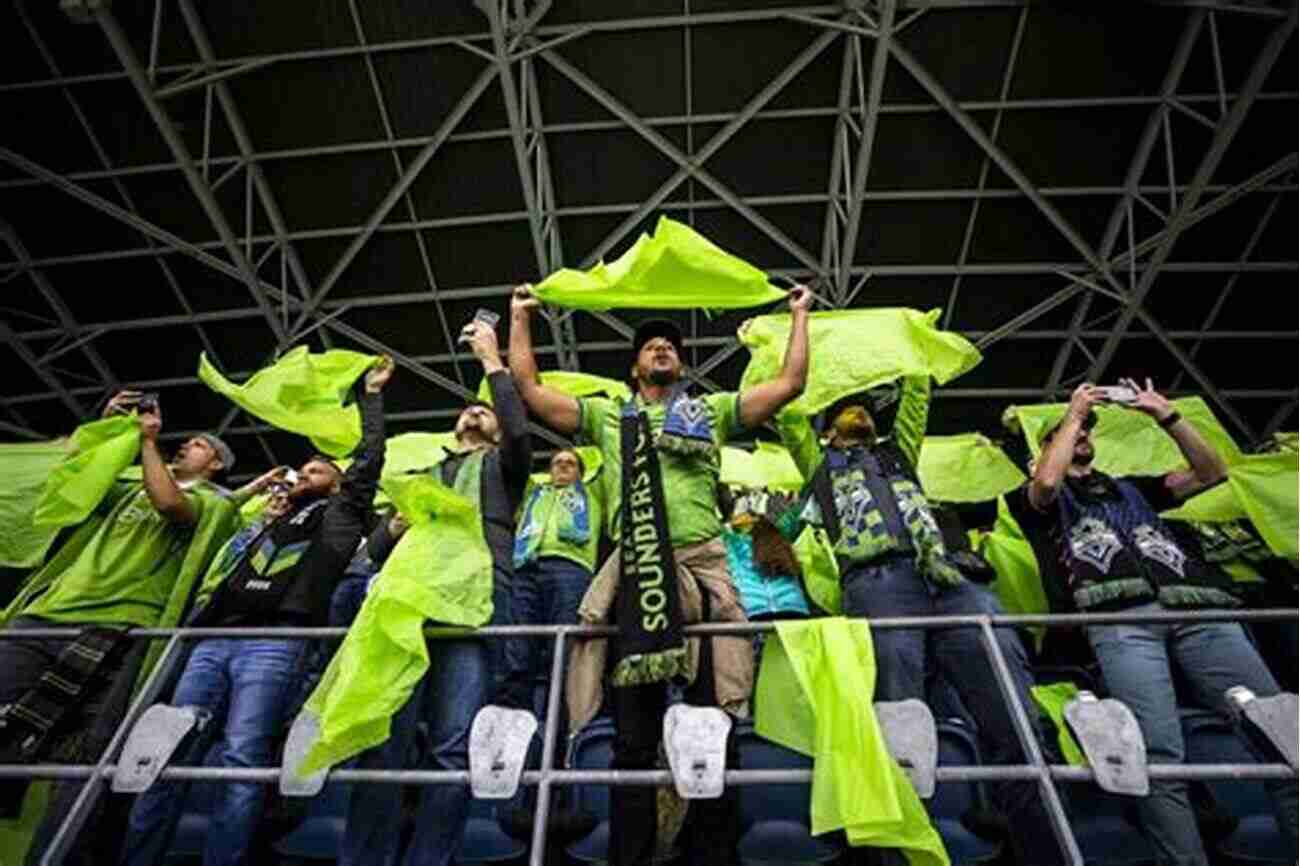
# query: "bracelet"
[[1170, 421]]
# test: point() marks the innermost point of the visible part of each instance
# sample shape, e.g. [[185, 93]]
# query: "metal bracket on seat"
[[1276, 717], [498, 749], [912, 739], [1109, 735], [304, 732], [151, 744], [695, 739]]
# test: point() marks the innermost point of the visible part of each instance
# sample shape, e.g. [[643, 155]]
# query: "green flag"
[[852, 350], [1018, 585], [1053, 698], [1128, 442], [814, 695], [768, 467], [24, 467], [965, 468], [574, 384], [441, 570], [1265, 484], [100, 450], [676, 268], [303, 393]]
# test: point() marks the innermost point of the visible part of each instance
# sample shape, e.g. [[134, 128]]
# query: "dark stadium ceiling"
[[1086, 189]]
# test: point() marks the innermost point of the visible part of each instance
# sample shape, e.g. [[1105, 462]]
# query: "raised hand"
[[1149, 401], [377, 376], [121, 403], [800, 299], [1082, 401]]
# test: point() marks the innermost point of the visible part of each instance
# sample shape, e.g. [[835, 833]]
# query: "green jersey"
[[125, 574], [690, 481]]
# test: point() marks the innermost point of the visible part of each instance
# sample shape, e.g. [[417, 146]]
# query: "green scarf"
[[814, 694], [384, 656], [302, 393], [674, 269]]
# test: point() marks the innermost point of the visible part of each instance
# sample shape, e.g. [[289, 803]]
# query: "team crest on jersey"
[[1095, 543], [1154, 545]]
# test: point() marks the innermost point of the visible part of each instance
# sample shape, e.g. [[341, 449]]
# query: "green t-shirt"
[[549, 512], [690, 482], [124, 576]]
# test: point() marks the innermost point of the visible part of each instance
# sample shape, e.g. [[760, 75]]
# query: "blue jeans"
[[244, 684], [1137, 663], [545, 592], [348, 597], [894, 588], [450, 695]]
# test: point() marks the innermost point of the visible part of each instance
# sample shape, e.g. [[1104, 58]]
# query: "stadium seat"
[[952, 800], [1211, 739], [593, 749], [483, 840], [1104, 826], [320, 833], [201, 799], [774, 818]]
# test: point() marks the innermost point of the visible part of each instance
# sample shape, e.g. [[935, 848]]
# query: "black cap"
[[652, 328], [1088, 423]]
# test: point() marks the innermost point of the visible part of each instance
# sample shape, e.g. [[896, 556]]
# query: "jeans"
[[348, 596], [450, 695], [545, 592], [245, 685], [1137, 662], [895, 588]]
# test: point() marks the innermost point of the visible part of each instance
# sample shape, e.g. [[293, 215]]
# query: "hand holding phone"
[[1121, 394]]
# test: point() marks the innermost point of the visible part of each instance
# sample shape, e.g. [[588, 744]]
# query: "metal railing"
[[1046, 775]]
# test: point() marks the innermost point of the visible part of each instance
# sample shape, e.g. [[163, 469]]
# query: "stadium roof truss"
[[1087, 191]]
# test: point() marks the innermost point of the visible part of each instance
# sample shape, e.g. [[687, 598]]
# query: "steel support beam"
[[42, 372], [1223, 138], [117, 39]]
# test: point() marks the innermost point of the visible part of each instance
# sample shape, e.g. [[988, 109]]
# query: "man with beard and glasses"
[[661, 453], [1116, 554], [489, 466], [278, 571], [893, 562]]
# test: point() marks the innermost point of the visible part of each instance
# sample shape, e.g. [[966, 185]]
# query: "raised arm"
[[1207, 465], [516, 447], [164, 493], [761, 402], [1054, 462], [557, 410], [912, 417]]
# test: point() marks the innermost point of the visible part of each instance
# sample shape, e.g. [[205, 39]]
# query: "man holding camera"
[[278, 571], [490, 466], [120, 569], [865, 493], [1118, 555]]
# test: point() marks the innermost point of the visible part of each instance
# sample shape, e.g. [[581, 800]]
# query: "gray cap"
[[223, 450]]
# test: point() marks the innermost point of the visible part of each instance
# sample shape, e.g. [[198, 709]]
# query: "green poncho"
[[965, 468], [100, 450], [574, 384], [25, 467], [674, 269], [441, 570], [852, 350], [302, 393], [814, 695], [768, 467], [1127, 442]]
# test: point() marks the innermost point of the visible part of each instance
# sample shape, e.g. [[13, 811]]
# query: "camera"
[[147, 404]]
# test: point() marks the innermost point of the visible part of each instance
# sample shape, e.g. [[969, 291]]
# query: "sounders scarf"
[[571, 507], [650, 647], [688, 426]]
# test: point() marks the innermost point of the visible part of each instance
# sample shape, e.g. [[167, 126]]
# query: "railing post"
[[537, 857]]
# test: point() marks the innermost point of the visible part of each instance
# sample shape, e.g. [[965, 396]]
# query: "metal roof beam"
[[1179, 220]]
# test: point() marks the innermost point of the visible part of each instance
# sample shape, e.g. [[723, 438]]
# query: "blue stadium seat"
[[774, 818], [593, 749], [1210, 739], [952, 800], [192, 831], [483, 840], [1107, 836], [321, 832]]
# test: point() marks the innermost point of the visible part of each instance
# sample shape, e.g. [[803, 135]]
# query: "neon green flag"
[[1053, 698], [25, 466], [768, 467], [1265, 485], [441, 570], [821, 571], [100, 450], [852, 350], [676, 268], [1287, 441], [574, 384], [1018, 585], [1128, 442], [814, 696], [965, 468], [303, 393]]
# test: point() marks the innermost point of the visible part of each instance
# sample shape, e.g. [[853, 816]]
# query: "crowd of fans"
[[648, 541]]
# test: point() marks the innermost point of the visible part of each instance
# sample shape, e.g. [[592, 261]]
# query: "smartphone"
[[147, 404], [487, 317], [1122, 394]]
